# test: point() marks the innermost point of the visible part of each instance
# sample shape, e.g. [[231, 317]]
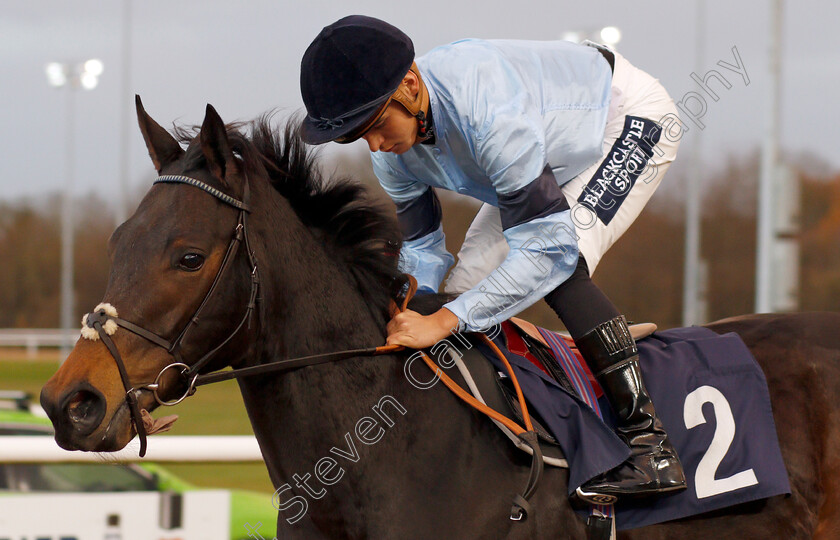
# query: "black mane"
[[355, 228]]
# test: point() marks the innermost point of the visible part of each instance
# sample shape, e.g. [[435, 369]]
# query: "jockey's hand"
[[416, 331]]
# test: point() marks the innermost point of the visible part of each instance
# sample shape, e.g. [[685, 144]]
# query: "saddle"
[[494, 388]]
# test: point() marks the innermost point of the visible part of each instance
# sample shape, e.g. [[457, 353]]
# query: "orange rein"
[[454, 387]]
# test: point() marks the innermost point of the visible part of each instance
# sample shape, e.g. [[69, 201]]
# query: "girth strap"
[[520, 508]]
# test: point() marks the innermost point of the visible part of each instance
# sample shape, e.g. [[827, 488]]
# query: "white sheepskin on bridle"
[[110, 326]]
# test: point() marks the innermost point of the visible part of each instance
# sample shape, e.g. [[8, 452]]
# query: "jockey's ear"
[[163, 148], [216, 148], [408, 93], [411, 83]]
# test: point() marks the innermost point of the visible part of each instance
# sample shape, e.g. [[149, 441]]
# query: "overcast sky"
[[244, 58]]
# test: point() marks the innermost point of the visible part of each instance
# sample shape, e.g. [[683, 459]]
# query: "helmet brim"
[[321, 130]]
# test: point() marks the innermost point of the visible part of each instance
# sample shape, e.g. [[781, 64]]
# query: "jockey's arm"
[[537, 224], [543, 253], [423, 253]]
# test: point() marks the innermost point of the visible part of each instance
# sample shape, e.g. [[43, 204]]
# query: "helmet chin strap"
[[416, 105]]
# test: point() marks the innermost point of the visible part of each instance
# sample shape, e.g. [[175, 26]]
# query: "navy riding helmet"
[[348, 73]]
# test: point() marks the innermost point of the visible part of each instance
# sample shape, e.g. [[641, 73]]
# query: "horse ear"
[[216, 146], [163, 148]]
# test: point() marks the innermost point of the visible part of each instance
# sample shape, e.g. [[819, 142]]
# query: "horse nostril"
[[84, 409]]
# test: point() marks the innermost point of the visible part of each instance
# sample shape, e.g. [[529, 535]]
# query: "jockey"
[[564, 145]]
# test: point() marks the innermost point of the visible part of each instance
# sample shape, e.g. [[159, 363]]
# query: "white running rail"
[[33, 339], [162, 449]]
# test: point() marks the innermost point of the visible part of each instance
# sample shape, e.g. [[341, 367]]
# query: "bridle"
[[98, 319]]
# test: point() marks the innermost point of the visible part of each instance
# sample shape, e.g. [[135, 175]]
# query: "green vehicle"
[[76, 501]]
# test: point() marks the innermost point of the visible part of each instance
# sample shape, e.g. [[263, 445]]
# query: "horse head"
[[168, 259]]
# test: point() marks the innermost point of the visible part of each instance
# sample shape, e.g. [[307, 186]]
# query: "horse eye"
[[191, 261]]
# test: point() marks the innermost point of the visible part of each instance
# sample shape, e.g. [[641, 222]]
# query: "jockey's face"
[[395, 131]]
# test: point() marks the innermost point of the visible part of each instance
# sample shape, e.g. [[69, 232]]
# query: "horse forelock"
[[355, 229]]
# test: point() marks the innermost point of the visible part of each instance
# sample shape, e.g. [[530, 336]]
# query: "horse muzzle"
[[87, 404]]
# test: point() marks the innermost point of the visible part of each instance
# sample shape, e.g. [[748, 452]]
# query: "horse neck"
[[310, 298], [310, 305], [301, 417]]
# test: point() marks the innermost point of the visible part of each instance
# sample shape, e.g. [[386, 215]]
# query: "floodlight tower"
[[71, 76]]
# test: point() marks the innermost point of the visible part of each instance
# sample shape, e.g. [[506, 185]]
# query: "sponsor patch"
[[619, 171]]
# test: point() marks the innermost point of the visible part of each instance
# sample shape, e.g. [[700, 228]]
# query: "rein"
[[100, 319]]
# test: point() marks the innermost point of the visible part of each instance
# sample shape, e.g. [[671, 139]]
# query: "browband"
[[224, 197]]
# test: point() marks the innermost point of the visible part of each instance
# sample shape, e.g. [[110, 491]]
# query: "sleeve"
[[423, 253], [427, 260], [537, 225]]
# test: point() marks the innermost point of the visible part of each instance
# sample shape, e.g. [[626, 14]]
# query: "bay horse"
[[426, 466]]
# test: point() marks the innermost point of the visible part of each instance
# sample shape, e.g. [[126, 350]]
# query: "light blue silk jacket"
[[507, 115]]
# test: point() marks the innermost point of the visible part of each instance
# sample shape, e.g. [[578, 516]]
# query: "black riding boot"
[[653, 466]]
